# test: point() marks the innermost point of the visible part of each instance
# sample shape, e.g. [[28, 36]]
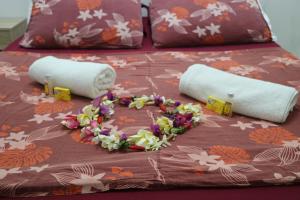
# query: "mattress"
[[38, 157]]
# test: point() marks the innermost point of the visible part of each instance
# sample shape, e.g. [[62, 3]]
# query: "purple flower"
[[156, 130], [104, 110], [96, 102], [110, 96], [177, 103], [125, 101], [105, 132], [124, 136], [158, 100], [182, 120]]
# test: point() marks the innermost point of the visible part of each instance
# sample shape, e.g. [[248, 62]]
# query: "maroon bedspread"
[[38, 157]]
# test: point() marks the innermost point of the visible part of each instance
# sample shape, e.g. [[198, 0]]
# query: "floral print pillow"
[[84, 24], [178, 23]]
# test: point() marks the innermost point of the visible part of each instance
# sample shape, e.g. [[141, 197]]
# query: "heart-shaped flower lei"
[[176, 119]]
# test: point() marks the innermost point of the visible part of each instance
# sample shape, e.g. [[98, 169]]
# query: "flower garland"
[[174, 121]]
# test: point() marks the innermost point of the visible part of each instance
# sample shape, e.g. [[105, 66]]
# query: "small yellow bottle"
[[48, 86]]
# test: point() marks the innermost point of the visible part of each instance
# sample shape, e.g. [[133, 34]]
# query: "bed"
[[38, 157]]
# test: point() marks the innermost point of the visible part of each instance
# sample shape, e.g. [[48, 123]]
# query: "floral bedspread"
[[39, 157]]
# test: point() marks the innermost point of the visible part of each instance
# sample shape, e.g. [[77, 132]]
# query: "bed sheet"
[[38, 157]]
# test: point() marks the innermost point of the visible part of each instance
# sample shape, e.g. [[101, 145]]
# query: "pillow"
[[178, 23], [84, 24]]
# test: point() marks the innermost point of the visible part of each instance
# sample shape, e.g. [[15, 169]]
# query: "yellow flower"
[[147, 140], [165, 124], [139, 103], [83, 119], [89, 113], [190, 108]]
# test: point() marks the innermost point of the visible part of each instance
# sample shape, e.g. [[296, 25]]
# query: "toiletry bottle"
[[49, 85]]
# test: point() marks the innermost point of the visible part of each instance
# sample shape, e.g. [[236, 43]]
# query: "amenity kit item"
[[250, 97], [82, 78]]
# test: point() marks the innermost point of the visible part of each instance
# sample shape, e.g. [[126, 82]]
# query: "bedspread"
[[39, 157]]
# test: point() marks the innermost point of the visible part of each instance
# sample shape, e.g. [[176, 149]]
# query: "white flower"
[[18, 145], [200, 31], [243, 126], [213, 28], [99, 14], [84, 15], [111, 142], [73, 32], [204, 158], [4, 173], [16, 136], [218, 165], [63, 115], [41, 118]]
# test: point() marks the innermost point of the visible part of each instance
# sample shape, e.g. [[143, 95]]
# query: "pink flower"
[[71, 122]]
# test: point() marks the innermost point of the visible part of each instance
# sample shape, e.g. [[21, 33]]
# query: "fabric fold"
[[82, 78], [250, 97]]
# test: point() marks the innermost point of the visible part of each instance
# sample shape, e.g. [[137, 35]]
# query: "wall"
[[284, 17]]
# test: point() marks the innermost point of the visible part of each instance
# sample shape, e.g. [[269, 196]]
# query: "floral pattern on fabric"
[[202, 22], [239, 151], [87, 24]]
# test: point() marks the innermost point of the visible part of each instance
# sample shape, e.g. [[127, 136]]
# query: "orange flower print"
[[68, 190], [230, 155], [133, 23], [163, 27], [55, 107], [88, 4], [75, 135], [110, 36], [180, 12], [32, 155], [121, 172], [225, 65], [213, 39], [204, 3], [275, 136], [39, 39], [6, 129]]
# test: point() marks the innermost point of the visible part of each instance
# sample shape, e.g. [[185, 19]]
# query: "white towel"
[[250, 97], [82, 78]]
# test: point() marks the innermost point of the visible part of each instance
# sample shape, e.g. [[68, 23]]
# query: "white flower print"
[[172, 20], [35, 99], [120, 91], [85, 15], [62, 115], [22, 144], [243, 126], [39, 169], [170, 73], [214, 29], [99, 14], [41, 118], [287, 154], [200, 31], [44, 7], [74, 36], [9, 71], [279, 179], [257, 36], [245, 70], [123, 31], [26, 41], [251, 3], [4, 173], [231, 172], [213, 10], [282, 60], [264, 124], [16, 136], [82, 175]]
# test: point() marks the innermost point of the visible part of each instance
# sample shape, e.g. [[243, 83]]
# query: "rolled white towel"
[[82, 78], [250, 97]]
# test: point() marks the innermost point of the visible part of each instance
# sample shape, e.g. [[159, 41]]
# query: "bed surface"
[[39, 157]]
